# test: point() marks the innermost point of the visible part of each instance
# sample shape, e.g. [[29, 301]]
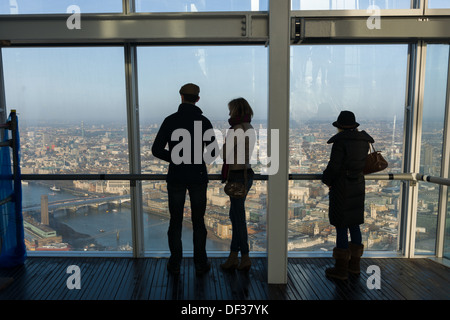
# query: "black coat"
[[344, 176], [192, 171]]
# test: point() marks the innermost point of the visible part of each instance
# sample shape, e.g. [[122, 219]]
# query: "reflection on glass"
[[72, 109], [77, 215], [217, 221], [58, 6], [72, 115], [438, 4], [431, 145], [309, 227], [349, 5], [324, 81], [222, 73], [200, 5]]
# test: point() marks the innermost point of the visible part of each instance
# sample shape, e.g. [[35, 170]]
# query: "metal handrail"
[[295, 177], [437, 180], [134, 177]]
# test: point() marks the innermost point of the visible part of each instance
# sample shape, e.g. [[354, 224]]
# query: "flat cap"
[[190, 88]]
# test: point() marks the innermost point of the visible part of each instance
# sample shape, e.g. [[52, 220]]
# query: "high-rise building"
[[44, 210]]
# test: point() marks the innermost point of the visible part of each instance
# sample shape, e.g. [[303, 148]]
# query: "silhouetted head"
[[346, 120], [239, 108], [190, 93]]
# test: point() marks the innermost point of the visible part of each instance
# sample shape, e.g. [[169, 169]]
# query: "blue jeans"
[[177, 197], [239, 238], [342, 236]]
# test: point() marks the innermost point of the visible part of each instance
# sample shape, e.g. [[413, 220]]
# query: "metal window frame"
[[408, 137], [3, 115], [434, 11], [278, 119], [356, 13], [445, 170], [133, 125], [415, 122]]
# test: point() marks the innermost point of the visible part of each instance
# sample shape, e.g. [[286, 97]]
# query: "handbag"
[[236, 189], [374, 161]]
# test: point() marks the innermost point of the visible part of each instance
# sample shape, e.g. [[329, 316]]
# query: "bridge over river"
[[76, 203]]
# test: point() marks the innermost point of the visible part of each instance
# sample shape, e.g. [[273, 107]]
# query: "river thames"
[[109, 226]]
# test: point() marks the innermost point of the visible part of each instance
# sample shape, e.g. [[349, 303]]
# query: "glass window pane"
[[72, 115], [438, 4], [349, 4], [72, 108], [435, 93], [324, 81], [156, 218], [200, 5], [222, 73], [77, 215], [59, 6]]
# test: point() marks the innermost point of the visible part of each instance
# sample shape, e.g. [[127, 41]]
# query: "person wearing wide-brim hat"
[[344, 176]]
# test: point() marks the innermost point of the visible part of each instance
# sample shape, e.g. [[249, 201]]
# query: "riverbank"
[[96, 229]]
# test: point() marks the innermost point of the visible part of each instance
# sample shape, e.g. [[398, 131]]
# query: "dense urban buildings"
[[51, 209]]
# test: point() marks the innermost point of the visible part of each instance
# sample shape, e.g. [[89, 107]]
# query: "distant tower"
[[393, 138], [316, 229], [370, 240], [393, 132], [428, 159], [82, 129], [44, 209], [45, 140], [373, 211]]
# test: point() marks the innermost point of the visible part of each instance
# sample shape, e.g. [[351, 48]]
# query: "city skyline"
[[72, 114], [308, 223]]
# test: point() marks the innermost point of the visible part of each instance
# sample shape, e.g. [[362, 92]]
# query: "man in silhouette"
[[187, 172]]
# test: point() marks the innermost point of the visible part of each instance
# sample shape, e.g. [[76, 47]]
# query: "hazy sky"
[[89, 83], [94, 6]]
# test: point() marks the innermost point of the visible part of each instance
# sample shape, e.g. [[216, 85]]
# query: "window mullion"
[[134, 149]]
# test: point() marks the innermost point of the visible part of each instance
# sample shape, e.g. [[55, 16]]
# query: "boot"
[[232, 261], [340, 270], [245, 263], [356, 252]]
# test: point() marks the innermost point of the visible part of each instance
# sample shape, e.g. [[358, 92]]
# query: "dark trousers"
[[239, 237], [342, 236], [177, 197]]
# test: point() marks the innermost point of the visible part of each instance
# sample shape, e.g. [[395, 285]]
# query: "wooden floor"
[[147, 279]]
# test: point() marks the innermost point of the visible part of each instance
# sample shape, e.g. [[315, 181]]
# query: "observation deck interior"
[[299, 63], [44, 278]]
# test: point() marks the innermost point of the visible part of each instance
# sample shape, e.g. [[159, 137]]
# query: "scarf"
[[239, 119], [233, 121]]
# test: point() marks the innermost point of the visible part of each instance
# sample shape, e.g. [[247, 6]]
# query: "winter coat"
[[236, 156], [344, 176], [194, 169]]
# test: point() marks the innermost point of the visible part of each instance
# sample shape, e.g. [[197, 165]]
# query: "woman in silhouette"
[[344, 176], [234, 170]]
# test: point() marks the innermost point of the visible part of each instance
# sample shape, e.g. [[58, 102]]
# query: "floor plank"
[[45, 278]]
